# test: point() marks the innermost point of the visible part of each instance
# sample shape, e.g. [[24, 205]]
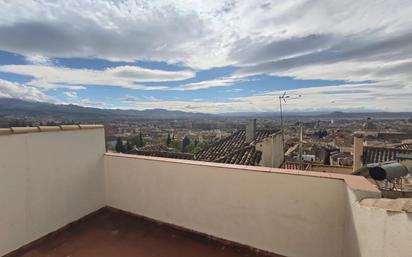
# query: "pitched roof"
[[381, 154], [405, 147], [244, 156], [234, 150], [160, 151], [154, 148]]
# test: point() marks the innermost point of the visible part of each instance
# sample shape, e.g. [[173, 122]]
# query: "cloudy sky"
[[209, 56]]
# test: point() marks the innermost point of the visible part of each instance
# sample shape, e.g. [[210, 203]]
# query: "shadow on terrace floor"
[[111, 233]]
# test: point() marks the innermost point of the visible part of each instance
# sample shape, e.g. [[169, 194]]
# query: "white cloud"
[[115, 30], [320, 39], [90, 103], [201, 34], [51, 77], [234, 90], [220, 82], [128, 99], [39, 59], [70, 94], [354, 71], [382, 96], [15, 90], [122, 76]]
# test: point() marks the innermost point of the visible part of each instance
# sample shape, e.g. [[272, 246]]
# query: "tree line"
[[185, 145]]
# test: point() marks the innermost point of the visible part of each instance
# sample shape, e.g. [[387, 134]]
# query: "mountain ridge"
[[17, 108]]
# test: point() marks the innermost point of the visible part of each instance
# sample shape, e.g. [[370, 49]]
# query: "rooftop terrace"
[[111, 233], [53, 176]]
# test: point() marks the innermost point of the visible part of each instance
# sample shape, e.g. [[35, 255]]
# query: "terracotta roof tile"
[[381, 154], [234, 150], [405, 147], [155, 148], [160, 151]]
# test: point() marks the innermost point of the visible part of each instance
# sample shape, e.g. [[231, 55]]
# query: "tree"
[[168, 140], [195, 147], [176, 145], [321, 133], [119, 145], [141, 142], [200, 146], [138, 140], [190, 148], [129, 146], [185, 143]]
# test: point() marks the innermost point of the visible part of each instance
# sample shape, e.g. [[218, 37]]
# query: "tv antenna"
[[282, 100]]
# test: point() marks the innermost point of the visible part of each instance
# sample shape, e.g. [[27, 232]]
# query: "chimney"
[[250, 131], [272, 151], [357, 151]]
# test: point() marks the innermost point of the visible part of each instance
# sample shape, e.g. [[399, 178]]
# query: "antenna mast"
[[282, 100]]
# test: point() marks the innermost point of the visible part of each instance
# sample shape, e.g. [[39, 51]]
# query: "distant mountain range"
[[16, 108], [324, 115]]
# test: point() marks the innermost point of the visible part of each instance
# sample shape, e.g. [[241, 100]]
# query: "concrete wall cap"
[[48, 128], [18, 130], [5, 131], [69, 127], [22, 130], [91, 126]]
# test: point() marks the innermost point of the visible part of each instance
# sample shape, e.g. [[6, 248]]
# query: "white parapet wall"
[[49, 177], [270, 209], [382, 229]]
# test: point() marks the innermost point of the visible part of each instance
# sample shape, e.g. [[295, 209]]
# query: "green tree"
[[176, 145], [138, 140], [119, 145], [185, 143], [168, 140], [321, 133], [128, 146], [200, 146], [141, 141], [190, 148]]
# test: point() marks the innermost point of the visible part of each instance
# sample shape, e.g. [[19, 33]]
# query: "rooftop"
[[234, 150], [153, 206], [406, 146], [111, 233], [373, 154], [160, 151]]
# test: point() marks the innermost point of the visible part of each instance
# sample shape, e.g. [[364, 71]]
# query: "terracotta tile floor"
[[114, 234]]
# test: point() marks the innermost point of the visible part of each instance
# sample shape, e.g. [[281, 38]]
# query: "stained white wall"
[[47, 180], [295, 216], [375, 232]]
